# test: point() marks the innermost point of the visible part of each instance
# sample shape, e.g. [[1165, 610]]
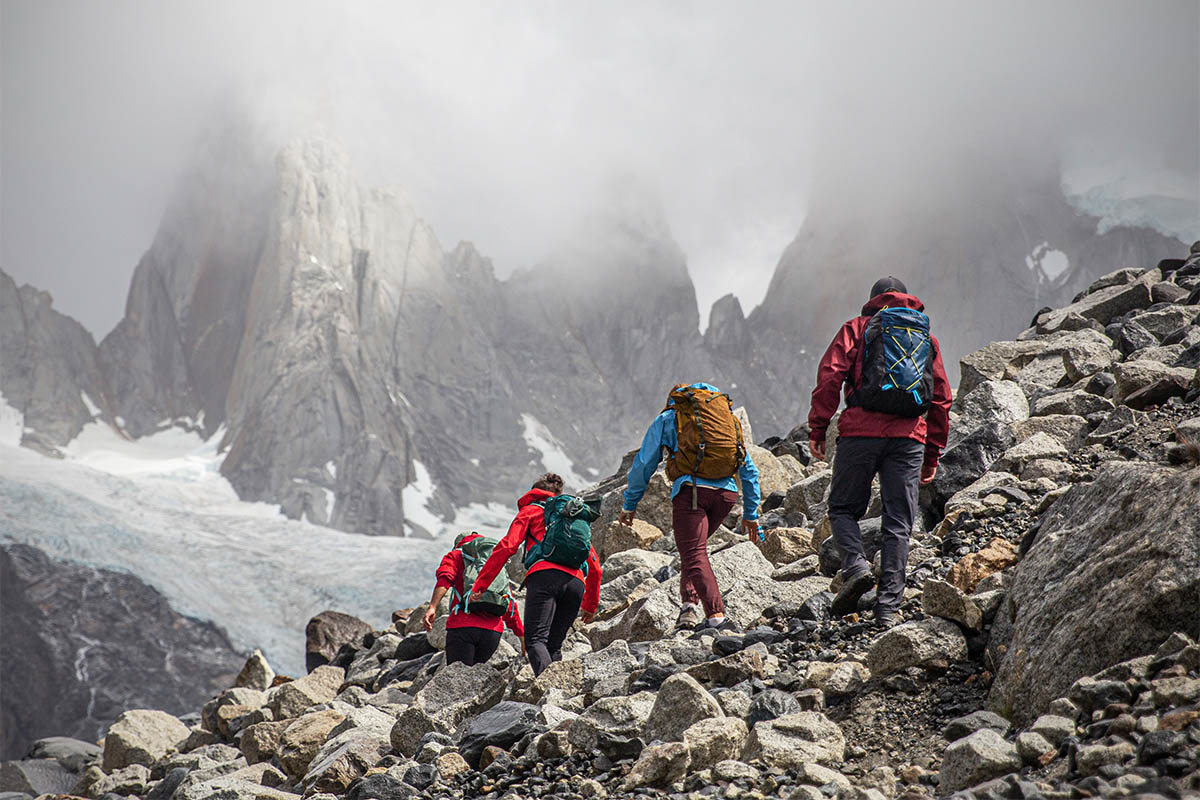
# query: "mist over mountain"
[[361, 375]]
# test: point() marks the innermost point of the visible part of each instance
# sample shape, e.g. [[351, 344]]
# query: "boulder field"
[[1046, 649]]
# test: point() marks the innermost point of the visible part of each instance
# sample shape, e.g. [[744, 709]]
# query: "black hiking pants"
[[470, 646], [857, 461], [552, 600]]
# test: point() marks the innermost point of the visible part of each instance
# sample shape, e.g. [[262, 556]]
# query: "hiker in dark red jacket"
[[554, 593], [471, 638], [903, 451]]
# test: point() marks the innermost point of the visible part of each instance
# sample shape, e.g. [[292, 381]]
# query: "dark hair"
[[549, 482]]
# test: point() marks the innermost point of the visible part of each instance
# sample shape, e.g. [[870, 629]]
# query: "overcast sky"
[[502, 119]]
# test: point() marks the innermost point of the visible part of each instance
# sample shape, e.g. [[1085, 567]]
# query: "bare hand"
[[817, 448], [430, 615], [625, 518], [523, 654], [928, 473], [587, 616], [475, 597], [751, 528]]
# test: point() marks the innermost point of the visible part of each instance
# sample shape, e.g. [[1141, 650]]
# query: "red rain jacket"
[[841, 366], [530, 524], [450, 575]]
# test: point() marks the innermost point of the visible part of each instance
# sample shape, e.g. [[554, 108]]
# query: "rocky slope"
[[1047, 647], [88, 643], [342, 354]]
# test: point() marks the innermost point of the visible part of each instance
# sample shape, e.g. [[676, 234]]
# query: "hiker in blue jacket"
[[698, 506]]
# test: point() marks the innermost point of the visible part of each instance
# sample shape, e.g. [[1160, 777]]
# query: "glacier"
[[159, 509]]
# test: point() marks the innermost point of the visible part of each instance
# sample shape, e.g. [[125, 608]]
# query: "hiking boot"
[[886, 619], [689, 617], [846, 601], [726, 625]]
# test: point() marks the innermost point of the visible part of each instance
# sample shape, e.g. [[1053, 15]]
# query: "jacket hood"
[[533, 496], [891, 300]]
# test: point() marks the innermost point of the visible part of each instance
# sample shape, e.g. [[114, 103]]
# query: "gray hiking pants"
[[898, 463]]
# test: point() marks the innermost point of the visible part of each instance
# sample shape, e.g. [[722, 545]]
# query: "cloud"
[[504, 121]]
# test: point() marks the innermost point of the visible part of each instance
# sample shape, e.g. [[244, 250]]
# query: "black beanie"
[[888, 284]]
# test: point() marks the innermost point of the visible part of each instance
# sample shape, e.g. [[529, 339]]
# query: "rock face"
[[1117, 564], [104, 642]]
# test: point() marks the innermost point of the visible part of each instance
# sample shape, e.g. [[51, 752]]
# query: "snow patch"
[[12, 424], [92, 408], [1047, 263], [554, 458], [490, 519], [330, 499], [416, 497], [331, 468], [1136, 195], [474, 462]]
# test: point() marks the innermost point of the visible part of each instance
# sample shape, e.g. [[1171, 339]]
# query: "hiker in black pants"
[[471, 637], [895, 425], [554, 593]]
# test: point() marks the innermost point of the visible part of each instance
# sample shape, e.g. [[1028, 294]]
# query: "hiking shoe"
[[886, 619], [846, 601], [724, 626], [689, 618]]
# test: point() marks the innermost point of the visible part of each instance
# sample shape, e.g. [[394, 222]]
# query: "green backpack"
[[496, 598], [568, 538]]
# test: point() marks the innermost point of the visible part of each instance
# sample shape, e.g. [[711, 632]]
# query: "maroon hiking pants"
[[692, 526]]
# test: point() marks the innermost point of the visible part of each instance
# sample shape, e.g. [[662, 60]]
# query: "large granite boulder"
[[1114, 570]]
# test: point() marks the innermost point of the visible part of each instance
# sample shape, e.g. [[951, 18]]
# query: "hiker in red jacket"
[[471, 638], [902, 450], [554, 593]]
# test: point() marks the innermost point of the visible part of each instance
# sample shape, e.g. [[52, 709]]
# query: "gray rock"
[[455, 693], [962, 727], [1039, 446], [1076, 402], [1078, 584], [141, 736], [256, 673], [806, 567], [611, 661], [295, 697], [1134, 376], [1033, 747], [630, 560], [681, 702], [965, 462], [501, 726], [73, 754], [1166, 321], [1053, 728], [658, 765], [1102, 305], [941, 599], [1069, 430], [979, 757], [327, 632], [929, 642], [1089, 758], [790, 741], [38, 776], [992, 361], [711, 741], [999, 401], [611, 716]]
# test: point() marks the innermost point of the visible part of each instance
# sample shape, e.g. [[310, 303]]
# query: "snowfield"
[[159, 509]]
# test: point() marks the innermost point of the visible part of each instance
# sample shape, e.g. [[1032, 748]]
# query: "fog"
[[506, 122]]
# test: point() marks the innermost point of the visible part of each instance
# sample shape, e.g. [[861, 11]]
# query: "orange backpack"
[[708, 436]]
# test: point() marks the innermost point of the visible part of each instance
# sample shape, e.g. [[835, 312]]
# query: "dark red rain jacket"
[[841, 369]]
